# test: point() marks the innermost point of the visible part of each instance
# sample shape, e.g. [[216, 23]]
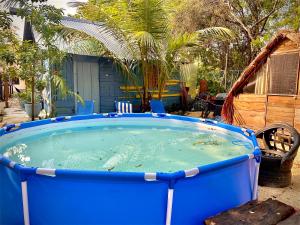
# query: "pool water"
[[142, 145]]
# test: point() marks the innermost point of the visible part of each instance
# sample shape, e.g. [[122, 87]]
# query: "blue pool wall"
[[60, 196]]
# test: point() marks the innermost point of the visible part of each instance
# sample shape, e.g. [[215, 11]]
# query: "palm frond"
[[77, 96], [220, 33], [145, 39], [180, 42], [88, 47], [127, 68], [187, 70], [149, 16], [75, 4], [70, 34], [107, 36], [60, 85], [10, 3], [5, 20]]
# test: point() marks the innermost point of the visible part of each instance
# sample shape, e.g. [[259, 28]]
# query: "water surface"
[[127, 144]]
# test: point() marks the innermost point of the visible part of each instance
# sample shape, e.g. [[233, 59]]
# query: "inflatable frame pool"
[[31, 195]]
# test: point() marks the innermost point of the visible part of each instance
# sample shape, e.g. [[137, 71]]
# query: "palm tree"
[[140, 30]]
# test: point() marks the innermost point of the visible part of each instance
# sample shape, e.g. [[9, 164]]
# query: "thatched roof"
[[254, 66]]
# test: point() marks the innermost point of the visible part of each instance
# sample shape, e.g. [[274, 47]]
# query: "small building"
[[97, 77], [268, 90]]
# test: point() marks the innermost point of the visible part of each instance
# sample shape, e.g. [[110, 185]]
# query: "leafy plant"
[[213, 77], [25, 96], [32, 55], [8, 45], [138, 36]]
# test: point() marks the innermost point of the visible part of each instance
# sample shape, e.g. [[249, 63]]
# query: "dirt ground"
[[12, 115], [289, 195]]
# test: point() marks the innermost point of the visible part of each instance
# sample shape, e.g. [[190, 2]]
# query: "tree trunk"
[[32, 99], [52, 102], [6, 93]]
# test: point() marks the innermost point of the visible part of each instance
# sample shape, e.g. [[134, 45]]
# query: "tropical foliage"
[[33, 58], [149, 50], [154, 40], [8, 46], [253, 21]]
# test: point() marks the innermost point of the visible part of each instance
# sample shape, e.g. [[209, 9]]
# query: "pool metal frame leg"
[[169, 206], [256, 181], [25, 202]]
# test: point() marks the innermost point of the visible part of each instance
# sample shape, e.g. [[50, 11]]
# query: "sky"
[[18, 23]]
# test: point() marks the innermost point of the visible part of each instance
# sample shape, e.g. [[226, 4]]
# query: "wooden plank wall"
[[257, 111], [280, 109], [297, 113], [249, 111]]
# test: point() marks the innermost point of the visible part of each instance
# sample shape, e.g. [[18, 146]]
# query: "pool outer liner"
[[171, 178]]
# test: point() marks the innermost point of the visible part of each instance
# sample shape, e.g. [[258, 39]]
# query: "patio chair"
[[279, 144], [123, 107], [86, 108], [157, 106]]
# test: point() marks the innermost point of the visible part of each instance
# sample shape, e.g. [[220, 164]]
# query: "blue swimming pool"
[[124, 169]]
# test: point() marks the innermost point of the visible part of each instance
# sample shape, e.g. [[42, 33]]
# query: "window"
[[283, 73]]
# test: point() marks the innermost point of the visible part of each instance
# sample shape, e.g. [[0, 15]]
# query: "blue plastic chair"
[[87, 108], [157, 106], [123, 107]]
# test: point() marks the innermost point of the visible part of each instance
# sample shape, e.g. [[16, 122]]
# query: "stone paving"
[[13, 114], [289, 195]]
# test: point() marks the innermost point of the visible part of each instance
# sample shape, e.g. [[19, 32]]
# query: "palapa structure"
[[268, 90]]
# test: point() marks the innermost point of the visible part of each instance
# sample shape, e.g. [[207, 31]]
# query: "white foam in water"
[[127, 144]]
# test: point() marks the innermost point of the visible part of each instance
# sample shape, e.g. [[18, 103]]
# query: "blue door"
[[110, 82], [86, 79]]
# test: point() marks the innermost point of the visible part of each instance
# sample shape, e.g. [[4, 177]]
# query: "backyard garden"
[[149, 112]]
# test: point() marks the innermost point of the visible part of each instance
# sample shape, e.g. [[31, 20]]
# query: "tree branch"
[[237, 19], [267, 16]]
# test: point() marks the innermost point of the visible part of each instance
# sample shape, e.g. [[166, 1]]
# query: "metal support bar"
[[25, 202], [169, 206], [255, 185]]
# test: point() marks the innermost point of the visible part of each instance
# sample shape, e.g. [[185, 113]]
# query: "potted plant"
[[27, 101], [30, 59], [37, 109], [24, 97]]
